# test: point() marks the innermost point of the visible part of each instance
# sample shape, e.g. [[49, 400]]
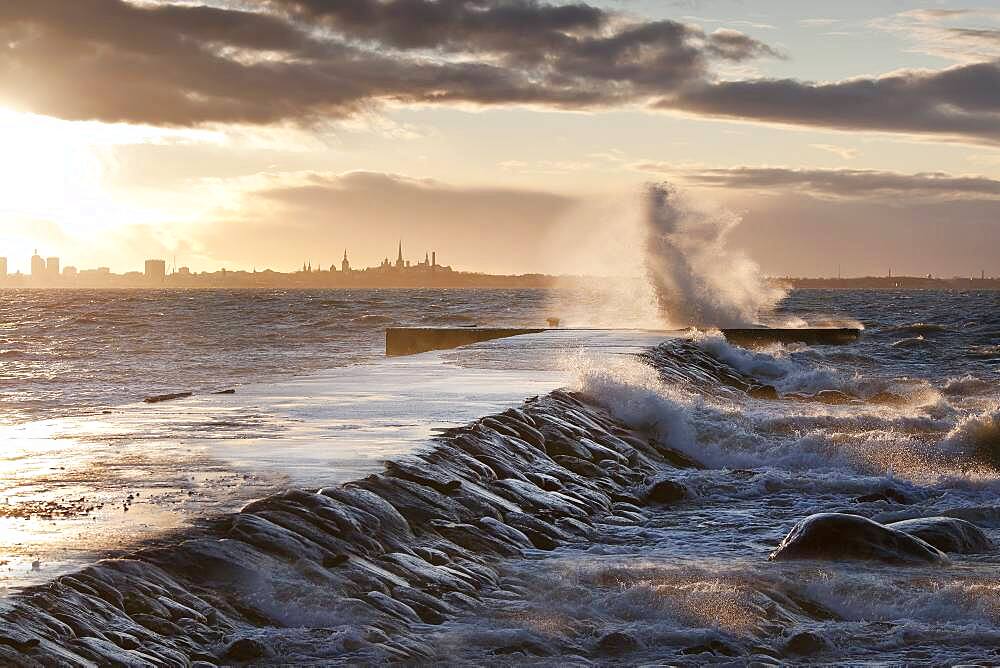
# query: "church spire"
[[399, 258]]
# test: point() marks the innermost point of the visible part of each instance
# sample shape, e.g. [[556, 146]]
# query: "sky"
[[509, 136]]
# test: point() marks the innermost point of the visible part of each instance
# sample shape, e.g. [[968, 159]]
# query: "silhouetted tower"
[[399, 258], [434, 258], [37, 265], [345, 265]]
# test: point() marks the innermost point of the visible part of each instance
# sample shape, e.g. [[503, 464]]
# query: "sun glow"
[[57, 182]]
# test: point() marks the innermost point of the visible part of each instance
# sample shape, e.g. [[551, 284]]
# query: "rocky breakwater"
[[352, 573]]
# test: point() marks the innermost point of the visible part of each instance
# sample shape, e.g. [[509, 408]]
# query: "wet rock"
[[158, 625], [430, 609], [575, 526], [581, 467], [501, 468], [546, 482], [422, 476], [417, 570], [714, 646], [475, 539], [840, 536], [557, 445], [15, 659], [135, 602], [247, 649], [807, 643], [887, 494], [505, 532], [528, 496], [948, 534], [763, 392], [522, 642], [391, 606], [431, 556], [617, 642], [666, 492]]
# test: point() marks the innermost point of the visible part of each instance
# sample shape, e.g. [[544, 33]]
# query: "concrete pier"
[[413, 340]]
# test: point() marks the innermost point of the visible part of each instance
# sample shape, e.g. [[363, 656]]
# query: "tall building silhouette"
[[345, 265], [399, 258], [155, 271], [37, 265], [52, 268]]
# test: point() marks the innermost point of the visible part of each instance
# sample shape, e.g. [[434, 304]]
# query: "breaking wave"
[[697, 279]]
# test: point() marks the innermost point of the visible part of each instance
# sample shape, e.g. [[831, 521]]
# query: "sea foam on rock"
[[841, 536]]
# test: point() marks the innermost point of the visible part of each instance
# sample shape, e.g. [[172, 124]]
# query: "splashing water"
[[697, 280]]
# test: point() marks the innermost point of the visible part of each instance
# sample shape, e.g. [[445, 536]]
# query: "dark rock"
[[888, 494], [948, 534], [806, 643], [714, 646], [763, 392], [546, 482], [840, 536], [391, 606], [431, 556], [581, 467], [617, 642], [675, 457], [422, 476], [247, 649], [666, 492], [158, 625]]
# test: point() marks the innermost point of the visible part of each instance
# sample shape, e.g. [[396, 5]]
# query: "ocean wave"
[[966, 385], [912, 342], [917, 328], [976, 435], [984, 352]]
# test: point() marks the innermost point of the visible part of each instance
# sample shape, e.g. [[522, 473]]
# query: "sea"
[[904, 423]]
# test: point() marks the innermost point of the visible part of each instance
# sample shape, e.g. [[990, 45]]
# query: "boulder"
[[617, 642], [666, 491], [805, 643], [948, 534], [840, 536], [247, 649]]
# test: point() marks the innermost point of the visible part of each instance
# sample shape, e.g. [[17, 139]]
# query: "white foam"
[[696, 277]]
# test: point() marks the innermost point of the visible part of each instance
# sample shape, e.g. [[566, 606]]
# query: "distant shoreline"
[[364, 280], [889, 283]]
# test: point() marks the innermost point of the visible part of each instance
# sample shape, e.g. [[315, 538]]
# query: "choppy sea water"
[[905, 423], [71, 351]]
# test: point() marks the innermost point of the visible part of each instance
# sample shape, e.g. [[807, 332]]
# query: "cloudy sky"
[[508, 135]]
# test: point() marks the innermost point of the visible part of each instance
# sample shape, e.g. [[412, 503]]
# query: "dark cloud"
[[846, 183], [797, 235], [961, 102], [307, 60], [301, 60]]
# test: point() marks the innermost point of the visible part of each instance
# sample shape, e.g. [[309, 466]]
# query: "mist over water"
[[696, 278]]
